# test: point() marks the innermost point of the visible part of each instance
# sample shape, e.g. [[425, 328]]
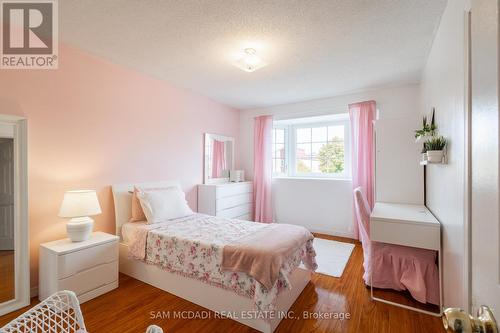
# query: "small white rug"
[[332, 256]]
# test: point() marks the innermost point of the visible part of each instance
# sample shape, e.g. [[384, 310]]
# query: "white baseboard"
[[34, 291], [333, 233]]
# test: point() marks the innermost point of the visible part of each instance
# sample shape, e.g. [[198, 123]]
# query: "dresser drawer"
[[233, 189], [91, 279], [233, 201], [235, 211], [246, 217], [78, 261]]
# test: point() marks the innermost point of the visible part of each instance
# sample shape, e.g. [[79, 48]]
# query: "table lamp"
[[79, 205]]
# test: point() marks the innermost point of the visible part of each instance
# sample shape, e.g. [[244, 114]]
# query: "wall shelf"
[[427, 162]]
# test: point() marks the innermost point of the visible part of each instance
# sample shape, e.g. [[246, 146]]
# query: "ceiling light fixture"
[[249, 62]]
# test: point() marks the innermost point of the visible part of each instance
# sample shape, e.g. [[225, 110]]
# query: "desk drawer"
[[406, 234], [91, 279], [74, 262]]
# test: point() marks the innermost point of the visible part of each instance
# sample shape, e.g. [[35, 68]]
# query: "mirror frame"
[[206, 179], [21, 227]]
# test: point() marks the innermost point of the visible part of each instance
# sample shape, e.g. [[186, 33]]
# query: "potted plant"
[[427, 130], [434, 147]]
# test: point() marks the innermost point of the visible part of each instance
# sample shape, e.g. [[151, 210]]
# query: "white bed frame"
[[213, 298]]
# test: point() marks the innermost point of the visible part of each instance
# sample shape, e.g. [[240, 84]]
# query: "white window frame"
[[287, 146], [291, 144]]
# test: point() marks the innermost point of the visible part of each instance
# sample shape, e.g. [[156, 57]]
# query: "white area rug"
[[332, 256]]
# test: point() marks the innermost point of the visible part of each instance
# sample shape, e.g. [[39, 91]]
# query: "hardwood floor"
[[130, 308], [7, 281]]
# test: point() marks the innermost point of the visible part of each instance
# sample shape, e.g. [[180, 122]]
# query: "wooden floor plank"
[[7, 277], [129, 308]]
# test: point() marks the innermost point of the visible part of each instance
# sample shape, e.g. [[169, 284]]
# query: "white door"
[[6, 194], [485, 227]]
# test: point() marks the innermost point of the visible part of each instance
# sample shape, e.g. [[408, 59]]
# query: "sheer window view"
[[316, 150], [320, 150]]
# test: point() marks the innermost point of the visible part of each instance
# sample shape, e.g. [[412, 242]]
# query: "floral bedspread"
[[193, 247]]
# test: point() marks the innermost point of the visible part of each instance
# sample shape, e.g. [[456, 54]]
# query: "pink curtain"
[[262, 169], [218, 159], [362, 116]]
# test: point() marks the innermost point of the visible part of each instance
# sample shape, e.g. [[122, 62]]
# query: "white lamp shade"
[[79, 204]]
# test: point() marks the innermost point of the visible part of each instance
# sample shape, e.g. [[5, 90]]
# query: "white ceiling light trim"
[[249, 61]]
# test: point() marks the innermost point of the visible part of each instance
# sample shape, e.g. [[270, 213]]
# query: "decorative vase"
[[435, 156]]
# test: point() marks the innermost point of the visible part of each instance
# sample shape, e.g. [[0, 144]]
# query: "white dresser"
[[88, 268], [231, 200]]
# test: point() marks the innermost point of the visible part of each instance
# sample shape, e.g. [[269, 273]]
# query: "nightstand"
[[88, 268]]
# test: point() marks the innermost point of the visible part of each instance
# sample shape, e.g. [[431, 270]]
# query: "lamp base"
[[79, 228]]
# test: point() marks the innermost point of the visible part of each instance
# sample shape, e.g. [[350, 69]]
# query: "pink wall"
[[92, 124]]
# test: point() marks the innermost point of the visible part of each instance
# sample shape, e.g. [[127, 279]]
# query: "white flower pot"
[[422, 138], [423, 157], [435, 156]]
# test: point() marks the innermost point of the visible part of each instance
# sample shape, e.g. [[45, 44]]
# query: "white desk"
[[407, 225]]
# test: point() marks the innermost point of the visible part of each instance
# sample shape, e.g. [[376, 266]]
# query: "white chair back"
[[59, 313]]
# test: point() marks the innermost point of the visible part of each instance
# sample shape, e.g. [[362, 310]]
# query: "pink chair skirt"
[[404, 268]]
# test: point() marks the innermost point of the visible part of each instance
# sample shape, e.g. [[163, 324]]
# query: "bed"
[[218, 297]]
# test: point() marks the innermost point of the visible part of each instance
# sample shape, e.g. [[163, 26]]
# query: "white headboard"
[[122, 197]]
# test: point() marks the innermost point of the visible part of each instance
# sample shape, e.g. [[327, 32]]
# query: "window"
[[279, 162], [312, 147]]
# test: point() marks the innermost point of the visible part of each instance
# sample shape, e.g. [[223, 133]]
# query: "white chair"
[[154, 329], [59, 313]]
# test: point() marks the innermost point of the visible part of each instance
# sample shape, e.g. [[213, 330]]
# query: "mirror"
[[14, 250], [219, 158], [7, 265]]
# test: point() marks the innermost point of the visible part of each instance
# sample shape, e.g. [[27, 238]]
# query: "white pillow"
[[162, 205]]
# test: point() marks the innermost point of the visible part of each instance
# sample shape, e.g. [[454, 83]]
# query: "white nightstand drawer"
[[91, 279], [78, 261], [233, 201], [233, 189], [97, 292], [89, 268]]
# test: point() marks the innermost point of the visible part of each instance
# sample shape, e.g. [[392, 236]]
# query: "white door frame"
[[21, 228], [484, 288]]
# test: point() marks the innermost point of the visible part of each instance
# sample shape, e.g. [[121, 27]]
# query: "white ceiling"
[[314, 48]]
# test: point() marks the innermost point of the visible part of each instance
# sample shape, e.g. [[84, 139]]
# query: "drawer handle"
[[246, 204], [92, 267], [99, 286]]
